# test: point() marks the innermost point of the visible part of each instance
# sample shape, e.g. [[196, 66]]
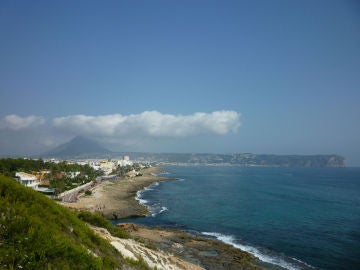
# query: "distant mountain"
[[77, 147]]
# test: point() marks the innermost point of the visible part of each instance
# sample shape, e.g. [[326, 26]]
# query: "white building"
[[73, 175], [107, 166], [27, 179], [124, 162]]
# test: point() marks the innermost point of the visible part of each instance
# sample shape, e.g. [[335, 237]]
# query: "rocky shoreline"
[[208, 253], [117, 200]]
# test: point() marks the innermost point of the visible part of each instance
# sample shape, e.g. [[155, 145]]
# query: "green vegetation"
[[58, 178], [123, 170], [100, 221], [88, 192], [37, 233], [139, 264]]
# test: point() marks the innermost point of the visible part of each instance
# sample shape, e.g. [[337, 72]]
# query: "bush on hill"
[[36, 233], [100, 221]]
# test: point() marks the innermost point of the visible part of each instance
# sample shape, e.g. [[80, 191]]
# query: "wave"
[[272, 259], [159, 174], [153, 208], [139, 198], [139, 194], [162, 209]]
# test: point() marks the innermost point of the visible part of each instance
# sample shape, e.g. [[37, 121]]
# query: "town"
[[66, 180]]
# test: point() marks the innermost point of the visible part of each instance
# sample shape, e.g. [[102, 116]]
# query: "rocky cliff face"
[[336, 161]]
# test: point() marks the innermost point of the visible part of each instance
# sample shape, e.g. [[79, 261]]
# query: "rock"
[[128, 227]]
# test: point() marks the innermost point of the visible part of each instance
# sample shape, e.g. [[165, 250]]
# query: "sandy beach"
[[116, 200]]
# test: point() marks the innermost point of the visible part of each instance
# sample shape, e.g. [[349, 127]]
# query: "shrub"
[[100, 221], [37, 233]]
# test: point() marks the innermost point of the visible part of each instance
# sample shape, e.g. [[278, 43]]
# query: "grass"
[[99, 221], [139, 264], [37, 233]]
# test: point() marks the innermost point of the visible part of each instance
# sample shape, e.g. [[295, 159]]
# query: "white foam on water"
[[139, 199], [151, 208], [300, 261], [228, 239], [140, 192], [162, 209]]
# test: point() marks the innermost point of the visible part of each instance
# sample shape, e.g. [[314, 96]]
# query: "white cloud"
[[151, 124], [149, 130], [103, 125], [15, 122]]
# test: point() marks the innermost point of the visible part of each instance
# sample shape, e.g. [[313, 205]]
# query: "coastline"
[[117, 200], [208, 253]]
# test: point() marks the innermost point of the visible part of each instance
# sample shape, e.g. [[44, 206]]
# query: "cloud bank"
[[146, 130], [14, 122], [151, 123]]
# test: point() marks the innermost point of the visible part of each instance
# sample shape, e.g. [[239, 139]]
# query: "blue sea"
[[296, 218]]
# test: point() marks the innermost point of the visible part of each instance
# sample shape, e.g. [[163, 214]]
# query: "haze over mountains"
[[82, 147], [77, 147]]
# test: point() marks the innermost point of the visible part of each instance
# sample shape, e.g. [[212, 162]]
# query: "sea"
[[295, 218]]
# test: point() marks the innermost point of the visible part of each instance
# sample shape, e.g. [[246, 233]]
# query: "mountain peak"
[[82, 140], [76, 147]]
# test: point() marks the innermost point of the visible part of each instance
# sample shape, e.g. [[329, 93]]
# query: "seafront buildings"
[[27, 179], [75, 181], [106, 165]]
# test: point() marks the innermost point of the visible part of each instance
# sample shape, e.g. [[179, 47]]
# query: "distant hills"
[[81, 147], [77, 147], [242, 159]]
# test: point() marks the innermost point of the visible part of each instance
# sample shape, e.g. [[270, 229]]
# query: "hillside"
[[36, 233], [77, 147]]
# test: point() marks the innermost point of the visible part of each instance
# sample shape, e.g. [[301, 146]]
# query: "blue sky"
[[277, 77]]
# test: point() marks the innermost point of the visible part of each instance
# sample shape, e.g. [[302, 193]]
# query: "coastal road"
[[70, 197]]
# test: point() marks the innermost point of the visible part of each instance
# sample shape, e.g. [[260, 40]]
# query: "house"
[[107, 166], [73, 175], [41, 175], [27, 179], [124, 162]]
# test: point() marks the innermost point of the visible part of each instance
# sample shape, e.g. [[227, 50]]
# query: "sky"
[[265, 77]]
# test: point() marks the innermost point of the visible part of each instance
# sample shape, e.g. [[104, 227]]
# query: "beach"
[[117, 199]]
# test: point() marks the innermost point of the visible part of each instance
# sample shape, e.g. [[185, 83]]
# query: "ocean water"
[[297, 218]]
